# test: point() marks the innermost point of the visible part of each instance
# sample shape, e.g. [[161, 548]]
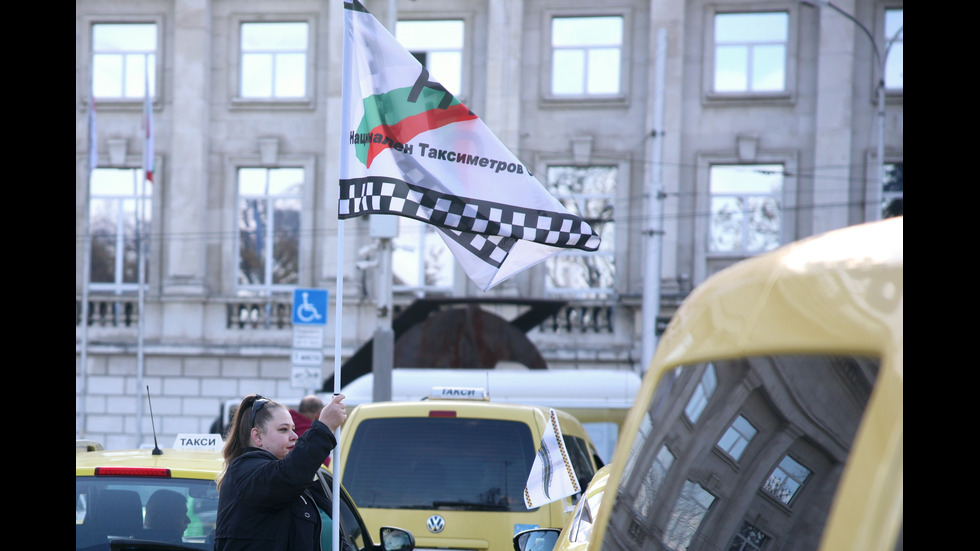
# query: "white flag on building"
[[410, 148], [552, 474]]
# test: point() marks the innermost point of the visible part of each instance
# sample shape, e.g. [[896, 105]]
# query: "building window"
[[421, 262], [745, 208], [704, 390], [891, 190], [786, 479], [438, 45], [123, 60], [737, 437], [750, 52], [588, 192], [269, 207], [646, 425], [114, 219], [274, 60], [652, 482], [586, 55], [748, 538], [895, 56], [686, 516]]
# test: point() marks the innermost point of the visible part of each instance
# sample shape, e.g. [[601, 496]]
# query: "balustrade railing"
[[243, 314], [276, 313], [259, 314], [581, 317], [109, 312]]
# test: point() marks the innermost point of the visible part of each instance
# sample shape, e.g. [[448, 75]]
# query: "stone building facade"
[[697, 132]]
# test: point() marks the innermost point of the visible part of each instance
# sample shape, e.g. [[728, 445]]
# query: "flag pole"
[[339, 296], [141, 241], [90, 165]]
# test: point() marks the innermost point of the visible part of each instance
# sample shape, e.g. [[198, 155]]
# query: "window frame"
[[86, 45], [745, 198], [119, 286], [622, 182], [674, 528], [457, 279], [801, 483], [744, 544], [649, 488], [308, 212], [422, 289], [873, 192], [464, 50], [239, 102], [700, 396], [789, 93], [620, 99], [892, 95], [708, 262], [739, 437]]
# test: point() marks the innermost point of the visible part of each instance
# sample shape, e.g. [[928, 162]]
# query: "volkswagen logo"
[[435, 524]]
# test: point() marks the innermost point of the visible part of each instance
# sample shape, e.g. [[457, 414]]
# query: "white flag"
[[410, 148], [552, 474]]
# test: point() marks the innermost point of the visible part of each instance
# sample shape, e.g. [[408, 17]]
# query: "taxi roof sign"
[[458, 393], [206, 442]]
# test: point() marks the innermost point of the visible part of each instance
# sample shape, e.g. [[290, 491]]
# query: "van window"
[[121, 506], [439, 463], [679, 487], [579, 454]]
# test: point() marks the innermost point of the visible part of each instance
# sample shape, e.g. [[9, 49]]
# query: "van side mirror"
[[396, 539], [536, 539]]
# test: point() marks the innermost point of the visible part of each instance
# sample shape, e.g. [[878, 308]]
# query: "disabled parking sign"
[[309, 319], [310, 307]]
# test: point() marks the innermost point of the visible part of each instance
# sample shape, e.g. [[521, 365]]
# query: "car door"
[[354, 534], [352, 528]]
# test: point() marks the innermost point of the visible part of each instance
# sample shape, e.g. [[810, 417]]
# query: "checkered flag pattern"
[[486, 228]]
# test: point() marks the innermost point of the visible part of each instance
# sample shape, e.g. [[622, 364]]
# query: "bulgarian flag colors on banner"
[[410, 148]]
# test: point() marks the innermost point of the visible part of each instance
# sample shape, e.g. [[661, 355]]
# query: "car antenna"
[[156, 448]]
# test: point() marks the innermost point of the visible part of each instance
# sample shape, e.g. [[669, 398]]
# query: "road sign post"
[[309, 322]]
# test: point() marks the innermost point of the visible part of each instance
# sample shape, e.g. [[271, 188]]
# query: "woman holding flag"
[[268, 498]]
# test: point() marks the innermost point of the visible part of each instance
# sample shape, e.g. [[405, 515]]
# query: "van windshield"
[[439, 463]]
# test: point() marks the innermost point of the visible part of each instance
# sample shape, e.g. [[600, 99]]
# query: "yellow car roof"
[[182, 463], [826, 293], [467, 408]]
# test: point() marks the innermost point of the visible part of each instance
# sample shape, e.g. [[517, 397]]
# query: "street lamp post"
[[879, 85]]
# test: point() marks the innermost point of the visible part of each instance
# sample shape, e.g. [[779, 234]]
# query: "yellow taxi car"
[[115, 492], [453, 471], [772, 414], [579, 526]]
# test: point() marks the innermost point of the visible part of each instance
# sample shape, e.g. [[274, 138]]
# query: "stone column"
[[505, 21], [834, 118], [186, 185]]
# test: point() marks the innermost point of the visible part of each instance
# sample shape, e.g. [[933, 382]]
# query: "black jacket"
[[269, 504]]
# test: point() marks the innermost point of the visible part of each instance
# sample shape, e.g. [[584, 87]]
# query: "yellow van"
[[772, 414], [598, 398], [453, 471]]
